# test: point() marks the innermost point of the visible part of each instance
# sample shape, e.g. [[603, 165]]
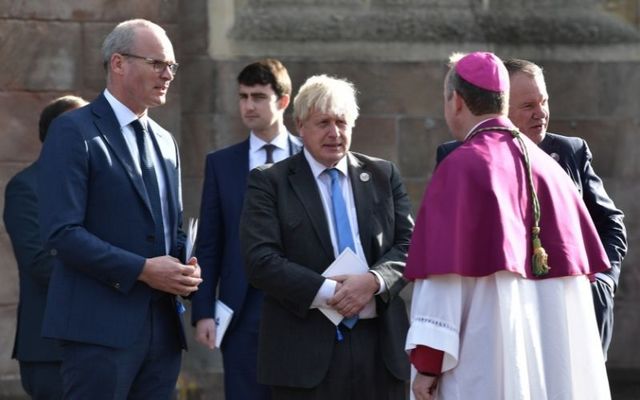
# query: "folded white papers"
[[347, 263], [223, 317], [192, 233]]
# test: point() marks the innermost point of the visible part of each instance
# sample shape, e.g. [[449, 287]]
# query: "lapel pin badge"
[[364, 177], [555, 156]]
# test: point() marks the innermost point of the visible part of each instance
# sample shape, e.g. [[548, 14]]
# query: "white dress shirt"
[[258, 156], [328, 288], [125, 117]]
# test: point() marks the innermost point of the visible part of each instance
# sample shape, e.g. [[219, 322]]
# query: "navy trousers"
[[146, 370], [240, 353], [603, 304], [41, 380]]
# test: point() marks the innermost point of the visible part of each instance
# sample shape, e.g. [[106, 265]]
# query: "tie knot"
[[137, 126], [333, 173]]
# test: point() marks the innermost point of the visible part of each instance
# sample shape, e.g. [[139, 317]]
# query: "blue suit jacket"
[[99, 226], [34, 267], [218, 247]]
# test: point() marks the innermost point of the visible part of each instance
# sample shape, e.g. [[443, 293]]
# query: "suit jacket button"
[[116, 285], [151, 238], [53, 252]]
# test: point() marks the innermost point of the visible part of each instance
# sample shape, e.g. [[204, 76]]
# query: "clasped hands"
[[168, 274], [353, 292]]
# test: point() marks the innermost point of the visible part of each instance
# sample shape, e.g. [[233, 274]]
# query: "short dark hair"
[[268, 71], [479, 101], [54, 109]]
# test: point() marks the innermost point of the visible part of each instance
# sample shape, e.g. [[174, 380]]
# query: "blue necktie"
[[151, 183], [341, 225]]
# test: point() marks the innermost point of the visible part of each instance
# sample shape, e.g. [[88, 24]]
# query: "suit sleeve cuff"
[[607, 279]]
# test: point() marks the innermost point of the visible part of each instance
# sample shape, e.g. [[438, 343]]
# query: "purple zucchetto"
[[484, 70]]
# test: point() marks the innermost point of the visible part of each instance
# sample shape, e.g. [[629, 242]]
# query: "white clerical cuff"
[[383, 286], [326, 292]]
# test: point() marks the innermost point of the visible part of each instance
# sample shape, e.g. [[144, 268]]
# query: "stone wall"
[[394, 53]]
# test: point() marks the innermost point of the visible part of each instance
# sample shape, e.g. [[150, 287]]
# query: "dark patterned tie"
[[268, 148], [150, 182]]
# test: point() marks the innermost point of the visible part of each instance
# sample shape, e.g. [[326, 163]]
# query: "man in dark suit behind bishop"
[[112, 221], [299, 215], [264, 92], [529, 111]]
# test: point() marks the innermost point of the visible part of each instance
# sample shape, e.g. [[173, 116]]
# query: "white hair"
[[327, 95]]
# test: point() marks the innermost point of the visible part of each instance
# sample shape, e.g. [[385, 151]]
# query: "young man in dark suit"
[[112, 221], [529, 111], [264, 91], [39, 358], [299, 216]]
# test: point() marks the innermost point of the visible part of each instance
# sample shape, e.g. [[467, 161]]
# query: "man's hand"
[[353, 292], [424, 387], [206, 332], [167, 274], [194, 263]]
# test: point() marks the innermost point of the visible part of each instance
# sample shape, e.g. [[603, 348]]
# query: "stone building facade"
[[393, 50]]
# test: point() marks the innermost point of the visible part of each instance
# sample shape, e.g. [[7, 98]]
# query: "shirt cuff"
[[326, 292], [427, 360], [381, 284]]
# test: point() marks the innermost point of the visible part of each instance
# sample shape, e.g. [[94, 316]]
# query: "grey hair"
[[452, 74], [328, 95], [121, 38], [515, 65]]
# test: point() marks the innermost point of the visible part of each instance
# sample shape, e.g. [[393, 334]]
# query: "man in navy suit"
[[264, 89], [112, 221], [39, 358], [529, 111]]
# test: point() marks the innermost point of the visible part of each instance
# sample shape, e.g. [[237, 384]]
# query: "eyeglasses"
[[158, 66]]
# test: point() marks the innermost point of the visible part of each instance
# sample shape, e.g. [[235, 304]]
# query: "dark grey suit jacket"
[[287, 245], [574, 156]]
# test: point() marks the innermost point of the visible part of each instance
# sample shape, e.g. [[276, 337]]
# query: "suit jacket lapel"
[[549, 145], [108, 125], [364, 197], [304, 185], [553, 147]]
